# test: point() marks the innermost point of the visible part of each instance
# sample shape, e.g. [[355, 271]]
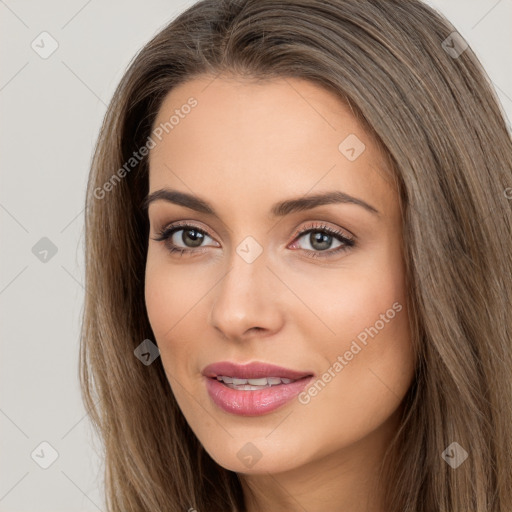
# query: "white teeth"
[[252, 384], [259, 382]]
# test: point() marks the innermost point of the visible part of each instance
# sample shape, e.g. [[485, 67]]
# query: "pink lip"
[[255, 370], [253, 403]]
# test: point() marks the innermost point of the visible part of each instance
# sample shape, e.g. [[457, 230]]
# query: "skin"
[[245, 146]]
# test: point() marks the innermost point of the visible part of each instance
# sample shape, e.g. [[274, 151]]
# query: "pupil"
[[195, 239], [322, 239]]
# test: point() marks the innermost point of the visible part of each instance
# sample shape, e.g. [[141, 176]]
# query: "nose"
[[247, 300]]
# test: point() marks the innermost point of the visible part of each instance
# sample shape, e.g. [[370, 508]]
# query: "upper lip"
[[254, 370]]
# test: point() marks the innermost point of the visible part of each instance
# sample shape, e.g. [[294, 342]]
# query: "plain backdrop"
[[51, 110]]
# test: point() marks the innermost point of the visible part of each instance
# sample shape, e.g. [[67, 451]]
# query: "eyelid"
[[311, 226], [345, 237], [322, 226], [164, 233], [182, 224]]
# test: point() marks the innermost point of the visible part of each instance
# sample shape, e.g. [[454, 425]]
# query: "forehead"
[[270, 138]]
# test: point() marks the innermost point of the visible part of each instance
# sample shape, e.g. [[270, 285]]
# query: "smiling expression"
[[275, 237]]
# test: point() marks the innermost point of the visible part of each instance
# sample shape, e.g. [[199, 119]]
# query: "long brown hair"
[[439, 121]]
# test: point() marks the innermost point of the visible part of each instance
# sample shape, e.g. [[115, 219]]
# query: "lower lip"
[[253, 403]]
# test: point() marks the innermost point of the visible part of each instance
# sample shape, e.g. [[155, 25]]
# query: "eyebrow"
[[278, 210]]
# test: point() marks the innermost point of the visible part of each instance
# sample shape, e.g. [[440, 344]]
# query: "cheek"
[[370, 319], [350, 301], [160, 297], [175, 302], [365, 309], [167, 298], [368, 364], [169, 293], [370, 309]]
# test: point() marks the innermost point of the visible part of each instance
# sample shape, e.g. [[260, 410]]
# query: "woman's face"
[[329, 304]]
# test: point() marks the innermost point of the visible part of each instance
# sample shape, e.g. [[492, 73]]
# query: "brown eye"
[[190, 237], [183, 238], [320, 239]]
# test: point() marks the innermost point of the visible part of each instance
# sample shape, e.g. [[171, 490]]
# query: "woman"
[[299, 266]]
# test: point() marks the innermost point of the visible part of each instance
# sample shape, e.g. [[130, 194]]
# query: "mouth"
[[253, 389], [252, 371], [253, 384]]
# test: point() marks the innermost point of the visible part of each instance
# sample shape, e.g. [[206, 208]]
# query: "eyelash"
[[166, 233]]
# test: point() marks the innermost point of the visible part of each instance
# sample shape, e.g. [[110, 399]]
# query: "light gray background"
[[51, 110]]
